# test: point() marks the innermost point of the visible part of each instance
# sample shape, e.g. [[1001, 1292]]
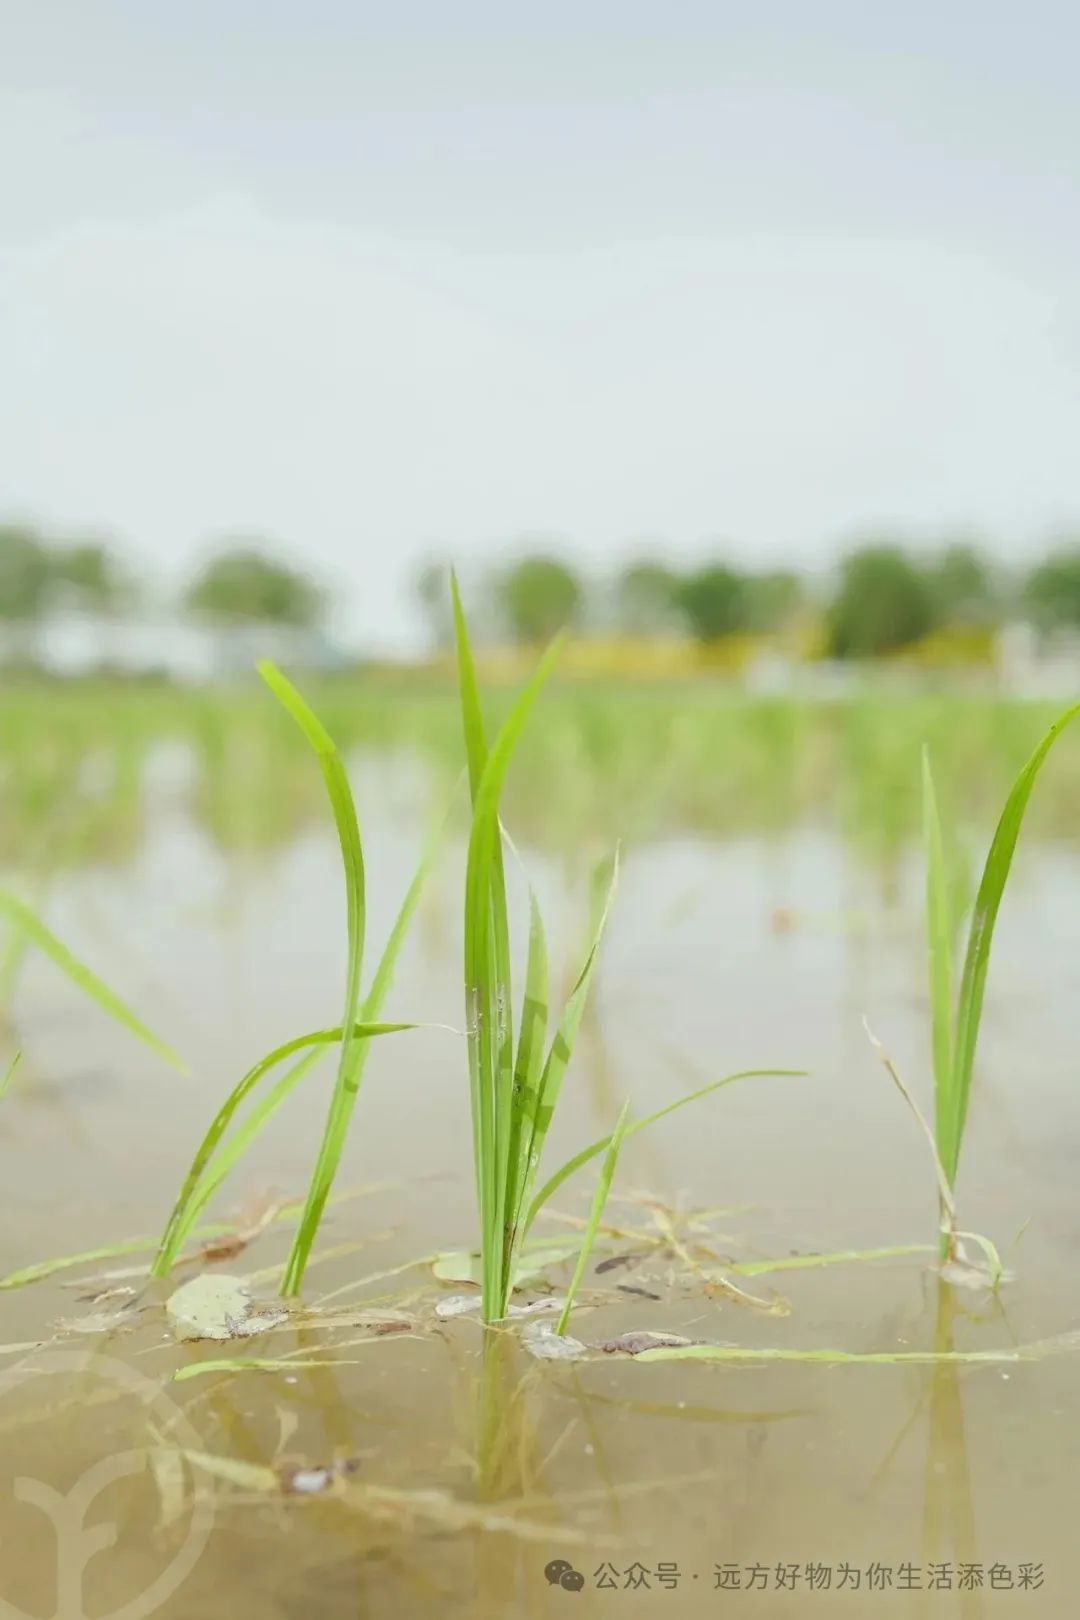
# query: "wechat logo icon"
[[560, 1573]]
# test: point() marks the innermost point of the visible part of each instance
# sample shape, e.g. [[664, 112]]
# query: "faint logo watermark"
[[560, 1573], [76, 1543]]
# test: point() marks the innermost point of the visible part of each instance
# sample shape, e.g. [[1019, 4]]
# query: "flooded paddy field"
[[370, 1449]]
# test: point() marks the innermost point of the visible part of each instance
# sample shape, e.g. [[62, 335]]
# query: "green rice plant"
[[27, 926], [218, 1155], [514, 1092], [955, 1025], [511, 1099]]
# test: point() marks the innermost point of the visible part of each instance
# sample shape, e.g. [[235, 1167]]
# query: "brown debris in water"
[[251, 1222], [617, 1260], [632, 1344]]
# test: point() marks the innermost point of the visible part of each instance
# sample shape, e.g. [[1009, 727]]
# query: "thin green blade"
[[232, 1150], [561, 1051], [9, 1074], [592, 1225], [552, 1185], [180, 1220], [472, 718], [939, 933], [528, 1070], [344, 1098], [23, 918], [352, 860], [980, 938]]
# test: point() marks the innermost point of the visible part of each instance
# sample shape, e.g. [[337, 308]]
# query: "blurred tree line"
[[884, 595], [242, 584]]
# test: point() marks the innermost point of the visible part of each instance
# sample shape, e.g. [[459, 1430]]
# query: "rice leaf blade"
[[939, 931], [600, 1197], [562, 1046], [879, 1358], [352, 860], [981, 934], [344, 1100], [553, 1183], [528, 1068], [471, 714], [9, 1073], [234, 1147], [30, 924], [179, 1221]]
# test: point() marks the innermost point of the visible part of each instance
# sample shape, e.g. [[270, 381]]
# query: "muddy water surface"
[[463, 1469]]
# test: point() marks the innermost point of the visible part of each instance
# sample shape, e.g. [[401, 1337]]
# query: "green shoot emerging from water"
[[514, 1092], [512, 1096], [955, 1029], [360, 1023]]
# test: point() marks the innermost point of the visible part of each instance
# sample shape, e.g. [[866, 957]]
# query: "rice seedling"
[[514, 1091], [360, 1024], [955, 1024]]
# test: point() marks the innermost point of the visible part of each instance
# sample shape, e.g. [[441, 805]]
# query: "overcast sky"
[[383, 281]]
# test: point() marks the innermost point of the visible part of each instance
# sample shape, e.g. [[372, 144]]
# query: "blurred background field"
[[715, 698]]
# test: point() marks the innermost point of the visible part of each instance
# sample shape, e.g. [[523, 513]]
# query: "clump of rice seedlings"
[[27, 929], [514, 1091], [218, 1154], [955, 1024]]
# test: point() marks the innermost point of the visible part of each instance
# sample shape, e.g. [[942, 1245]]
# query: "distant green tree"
[[244, 586], [715, 601], [89, 575], [772, 599], [962, 586], [431, 589], [885, 602], [1051, 592], [25, 575], [646, 598], [538, 596]]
